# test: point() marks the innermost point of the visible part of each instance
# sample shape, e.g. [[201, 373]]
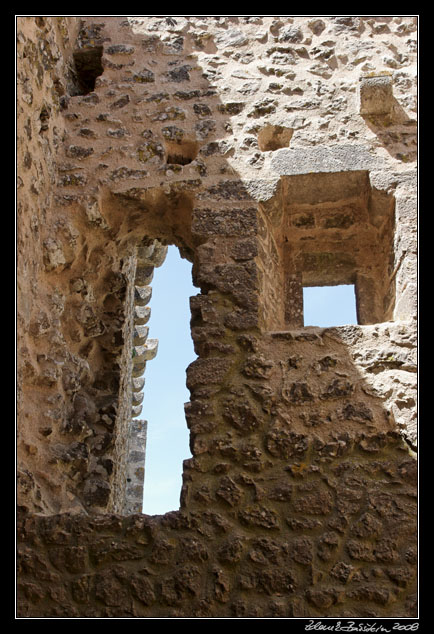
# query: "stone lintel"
[[326, 158]]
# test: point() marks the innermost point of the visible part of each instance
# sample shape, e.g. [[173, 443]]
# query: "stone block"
[[137, 384], [376, 95], [137, 398], [140, 335], [144, 275], [146, 352], [136, 410], [141, 315], [225, 222], [142, 295], [323, 158], [207, 371], [152, 255]]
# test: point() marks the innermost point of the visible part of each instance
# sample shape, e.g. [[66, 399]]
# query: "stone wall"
[[135, 468], [275, 153], [44, 49]]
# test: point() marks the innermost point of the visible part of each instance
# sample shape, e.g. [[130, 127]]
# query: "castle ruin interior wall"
[[275, 153]]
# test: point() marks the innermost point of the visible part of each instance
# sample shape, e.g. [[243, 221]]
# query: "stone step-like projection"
[[143, 350], [149, 257], [142, 295], [146, 352], [140, 335], [144, 275], [137, 398], [137, 383], [141, 315]]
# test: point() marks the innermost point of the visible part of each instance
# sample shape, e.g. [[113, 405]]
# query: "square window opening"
[[327, 306]]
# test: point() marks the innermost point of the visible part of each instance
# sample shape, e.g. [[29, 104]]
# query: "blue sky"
[[329, 305], [165, 390]]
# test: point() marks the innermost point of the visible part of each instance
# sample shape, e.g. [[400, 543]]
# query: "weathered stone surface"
[[230, 551], [259, 517], [334, 158], [207, 371], [145, 352], [376, 96], [225, 222], [285, 444], [314, 503]]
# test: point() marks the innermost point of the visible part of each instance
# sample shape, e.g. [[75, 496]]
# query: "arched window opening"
[[327, 306], [164, 390]]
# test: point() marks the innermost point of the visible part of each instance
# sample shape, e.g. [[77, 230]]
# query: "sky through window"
[[165, 390], [329, 305]]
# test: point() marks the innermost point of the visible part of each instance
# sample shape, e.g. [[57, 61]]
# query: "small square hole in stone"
[[327, 306]]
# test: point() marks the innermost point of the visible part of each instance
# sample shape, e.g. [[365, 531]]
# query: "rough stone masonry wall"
[[44, 51], [274, 152]]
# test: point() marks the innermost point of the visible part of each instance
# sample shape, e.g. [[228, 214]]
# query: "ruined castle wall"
[[274, 153]]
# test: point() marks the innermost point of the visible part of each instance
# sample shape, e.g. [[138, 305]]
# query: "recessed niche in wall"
[[181, 152], [43, 118], [325, 230], [329, 305], [274, 137], [88, 66]]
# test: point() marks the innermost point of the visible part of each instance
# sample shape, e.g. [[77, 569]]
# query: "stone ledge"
[[331, 158]]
